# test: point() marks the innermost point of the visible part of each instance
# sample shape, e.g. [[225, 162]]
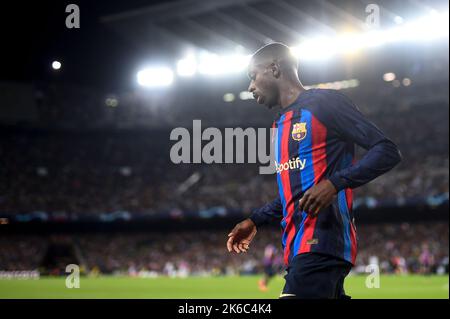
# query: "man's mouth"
[[259, 99]]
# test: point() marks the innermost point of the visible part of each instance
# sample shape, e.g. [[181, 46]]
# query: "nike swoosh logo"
[[286, 295]]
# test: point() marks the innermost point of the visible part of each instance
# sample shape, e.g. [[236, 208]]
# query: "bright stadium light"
[[398, 20], [337, 85], [348, 43], [228, 97], [431, 27], [388, 77], [320, 48], [214, 64], [406, 81], [187, 66], [246, 95], [428, 28], [155, 77], [209, 64], [111, 102], [56, 65]]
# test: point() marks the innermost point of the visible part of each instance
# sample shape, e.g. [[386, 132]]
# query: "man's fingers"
[[313, 208], [245, 244], [235, 244], [313, 215], [308, 203], [316, 212], [230, 244], [303, 201]]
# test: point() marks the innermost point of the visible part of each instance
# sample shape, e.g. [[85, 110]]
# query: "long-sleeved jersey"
[[314, 139]]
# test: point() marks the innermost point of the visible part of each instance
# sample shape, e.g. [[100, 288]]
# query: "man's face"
[[263, 84]]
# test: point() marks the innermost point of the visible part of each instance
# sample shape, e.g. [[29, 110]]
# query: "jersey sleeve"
[[269, 212], [382, 154]]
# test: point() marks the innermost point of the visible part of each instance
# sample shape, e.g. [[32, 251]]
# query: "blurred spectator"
[[403, 248]]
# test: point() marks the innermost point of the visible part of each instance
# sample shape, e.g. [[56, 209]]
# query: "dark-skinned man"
[[314, 141]]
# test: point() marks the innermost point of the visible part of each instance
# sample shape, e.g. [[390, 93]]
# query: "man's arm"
[[382, 154], [338, 113], [240, 238], [267, 213]]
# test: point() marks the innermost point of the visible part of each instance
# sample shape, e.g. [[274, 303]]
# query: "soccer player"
[[269, 266], [314, 140]]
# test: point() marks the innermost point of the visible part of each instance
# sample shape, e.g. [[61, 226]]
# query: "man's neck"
[[290, 93]]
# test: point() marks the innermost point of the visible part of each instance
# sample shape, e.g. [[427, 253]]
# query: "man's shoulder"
[[321, 94], [324, 100], [319, 102]]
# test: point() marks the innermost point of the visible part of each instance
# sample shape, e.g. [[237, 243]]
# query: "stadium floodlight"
[[389, 76], [406, 81], [337, 85], [428, 28], [209, 64], [56, 65], [187, 66], [398, 20], [433, 26], [245, 95], [320, 48], [155, 77], [214, 64], [349, 43], [112, 101], [228, 97]]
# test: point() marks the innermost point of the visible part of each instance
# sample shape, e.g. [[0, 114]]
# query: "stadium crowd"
[[395, 248], [80, 158], [81, 175], [79, 164]]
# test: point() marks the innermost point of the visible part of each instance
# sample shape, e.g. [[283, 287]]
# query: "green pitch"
[[213, 287]]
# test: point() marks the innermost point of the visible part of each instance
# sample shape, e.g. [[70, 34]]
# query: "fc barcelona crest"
[[299, 131]]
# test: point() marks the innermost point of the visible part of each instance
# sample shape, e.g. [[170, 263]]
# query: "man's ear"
[[275, 67]]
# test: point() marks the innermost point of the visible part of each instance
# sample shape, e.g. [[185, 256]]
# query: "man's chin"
[[269, 105], [263, 101], [260, 100]]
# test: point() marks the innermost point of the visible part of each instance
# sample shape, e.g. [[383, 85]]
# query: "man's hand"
[[241, 236], [317, 197]]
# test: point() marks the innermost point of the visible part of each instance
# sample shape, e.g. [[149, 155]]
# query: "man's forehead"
[[252, 67]]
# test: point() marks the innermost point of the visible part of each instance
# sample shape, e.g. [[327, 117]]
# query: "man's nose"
[[251, 88]]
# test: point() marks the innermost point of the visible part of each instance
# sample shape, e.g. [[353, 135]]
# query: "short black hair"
[[275, 51]]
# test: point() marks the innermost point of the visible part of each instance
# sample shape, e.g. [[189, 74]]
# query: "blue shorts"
[[315, 276]]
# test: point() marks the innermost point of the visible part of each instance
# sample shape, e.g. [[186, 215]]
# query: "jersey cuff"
[[257, 219], [339, 183]]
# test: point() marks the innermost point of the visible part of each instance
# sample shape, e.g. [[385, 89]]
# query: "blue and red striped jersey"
[[314, 139]]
